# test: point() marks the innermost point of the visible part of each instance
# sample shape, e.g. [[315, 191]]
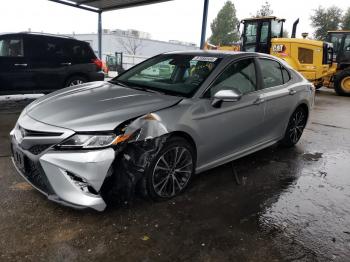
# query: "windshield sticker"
[[205, 58]]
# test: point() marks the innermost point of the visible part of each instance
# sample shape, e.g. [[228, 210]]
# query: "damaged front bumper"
[[72, 178], [84, 178], [78, 176], [69, 178]]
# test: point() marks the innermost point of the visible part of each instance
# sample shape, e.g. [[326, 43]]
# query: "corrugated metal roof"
[[106, 5]]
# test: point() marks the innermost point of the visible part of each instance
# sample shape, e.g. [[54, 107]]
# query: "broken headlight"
[[92, 141]]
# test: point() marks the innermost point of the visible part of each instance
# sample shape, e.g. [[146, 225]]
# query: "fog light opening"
[[82, 184]]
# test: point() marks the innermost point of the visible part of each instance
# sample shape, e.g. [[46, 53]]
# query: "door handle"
[[66, 64], [24, 65], [258, 101], [292, 92]]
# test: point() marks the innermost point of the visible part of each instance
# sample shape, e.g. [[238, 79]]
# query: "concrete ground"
[[292, 205]]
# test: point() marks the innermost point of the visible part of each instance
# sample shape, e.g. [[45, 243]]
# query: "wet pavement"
[[291, 205]]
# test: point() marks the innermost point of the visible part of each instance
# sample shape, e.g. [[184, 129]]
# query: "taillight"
[[97, 62]]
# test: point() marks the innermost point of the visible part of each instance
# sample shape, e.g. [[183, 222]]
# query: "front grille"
[[31, 133], [38, 149], [34, 173]]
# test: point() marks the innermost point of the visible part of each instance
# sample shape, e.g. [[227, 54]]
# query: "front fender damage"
[[148, 136]]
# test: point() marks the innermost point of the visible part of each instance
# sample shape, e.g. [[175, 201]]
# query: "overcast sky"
[[178, 19]]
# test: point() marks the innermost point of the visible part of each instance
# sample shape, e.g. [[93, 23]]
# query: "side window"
[[264, 32], [11, 47], [271, 73], [347, 43], [54, 48], [80, 52], [240, 75], [285, 74], [88, 51], [160, 71], [276, 27], [45, 48], [251, 31], [336, 41]]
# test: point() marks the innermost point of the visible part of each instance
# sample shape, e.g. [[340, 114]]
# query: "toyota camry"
[[150, 130]]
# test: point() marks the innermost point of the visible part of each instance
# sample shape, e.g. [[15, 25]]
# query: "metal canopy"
[[99, 6], [106, 5]]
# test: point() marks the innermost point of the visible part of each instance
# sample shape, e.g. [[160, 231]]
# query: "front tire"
[[171, 170], [295, 128]]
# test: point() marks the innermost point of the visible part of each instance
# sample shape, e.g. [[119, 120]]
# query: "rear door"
[[15, 73], [279, 96], [48, 62]]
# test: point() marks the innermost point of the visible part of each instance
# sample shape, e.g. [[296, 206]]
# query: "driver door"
[[232, 127]]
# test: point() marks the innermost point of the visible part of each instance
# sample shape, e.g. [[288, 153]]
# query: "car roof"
[[40, 34], [219, 53]]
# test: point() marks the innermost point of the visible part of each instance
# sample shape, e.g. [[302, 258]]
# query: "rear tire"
[[295, 128], [75, 80], [342, 83]]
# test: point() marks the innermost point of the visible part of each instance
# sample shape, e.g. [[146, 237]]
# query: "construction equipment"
[[313, 59], [341, 44], [232, 47], [115, 63]]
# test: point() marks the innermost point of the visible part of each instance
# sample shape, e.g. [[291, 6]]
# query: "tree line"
[[225, 26]]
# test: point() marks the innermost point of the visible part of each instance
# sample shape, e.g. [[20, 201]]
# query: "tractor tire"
[[342, 83]]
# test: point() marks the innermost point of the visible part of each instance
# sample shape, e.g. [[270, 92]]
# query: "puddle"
[[312, 157], [313, 213]]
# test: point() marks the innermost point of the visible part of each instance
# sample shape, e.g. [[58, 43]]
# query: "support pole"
[[99, 33], [204, 23]]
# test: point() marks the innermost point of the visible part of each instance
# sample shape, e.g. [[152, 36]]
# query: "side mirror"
[[229, 95]]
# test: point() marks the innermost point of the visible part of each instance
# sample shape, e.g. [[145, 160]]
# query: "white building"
[[135, 49]]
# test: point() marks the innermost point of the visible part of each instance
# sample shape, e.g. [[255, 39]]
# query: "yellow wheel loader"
[[341, 45], [313, 59]]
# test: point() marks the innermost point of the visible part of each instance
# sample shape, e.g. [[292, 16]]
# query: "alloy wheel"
[[76, 82], [297, 125], [172, 172]]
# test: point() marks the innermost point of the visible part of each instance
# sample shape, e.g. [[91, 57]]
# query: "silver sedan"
[[92, 144]]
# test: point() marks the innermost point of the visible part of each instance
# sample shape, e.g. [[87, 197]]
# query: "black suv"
[[34, 62]]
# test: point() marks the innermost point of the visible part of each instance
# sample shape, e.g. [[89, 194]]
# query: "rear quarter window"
[[81, 52], [285, 74]]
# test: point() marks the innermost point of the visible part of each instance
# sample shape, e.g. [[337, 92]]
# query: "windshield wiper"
[[118, 82], [141, 88]]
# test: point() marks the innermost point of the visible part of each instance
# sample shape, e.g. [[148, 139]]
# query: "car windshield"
[[174, 74]]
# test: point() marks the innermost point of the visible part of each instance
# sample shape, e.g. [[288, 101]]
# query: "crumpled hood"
[[96, 106]]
